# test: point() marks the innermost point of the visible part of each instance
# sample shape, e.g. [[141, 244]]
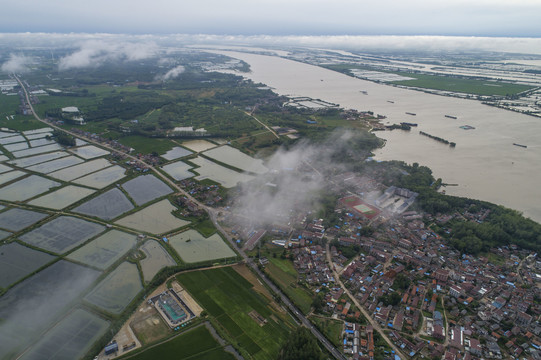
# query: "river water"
[[485, 164]]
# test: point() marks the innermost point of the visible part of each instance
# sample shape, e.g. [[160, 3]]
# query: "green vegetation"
[[229, 299], [287, 280], [197, 343], [332, 329], [301, 346], [501, 228], [462, 84], [63, 138], [146, 145]]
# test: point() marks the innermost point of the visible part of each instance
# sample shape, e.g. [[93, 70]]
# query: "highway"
[[212, 214]]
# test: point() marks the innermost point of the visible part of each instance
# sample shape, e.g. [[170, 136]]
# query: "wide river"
[[485, 164]]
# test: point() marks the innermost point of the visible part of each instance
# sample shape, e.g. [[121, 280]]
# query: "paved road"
[[213, 216]]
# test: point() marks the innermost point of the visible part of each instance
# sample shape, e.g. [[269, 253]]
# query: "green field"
[[285, 276], [332, 329], [468, 86], [194, 344], [229, 298], [146, 145], [447, 83]]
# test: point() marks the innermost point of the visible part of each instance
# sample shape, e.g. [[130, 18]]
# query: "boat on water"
[[410, 113], [451, 117], [390, 101], [520, 145], [408, 123]]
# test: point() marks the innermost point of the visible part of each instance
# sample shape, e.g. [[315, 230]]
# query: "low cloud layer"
[[171, 74], [16, 64], [93, 53]]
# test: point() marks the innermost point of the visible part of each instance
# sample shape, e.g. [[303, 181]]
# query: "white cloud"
[[93, 53], [171, 74], [16, 64]]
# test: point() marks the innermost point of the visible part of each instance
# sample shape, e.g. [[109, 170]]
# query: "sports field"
[[229, 298], [356, 205]]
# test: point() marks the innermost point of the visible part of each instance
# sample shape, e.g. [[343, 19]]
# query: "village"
[[384, 260]]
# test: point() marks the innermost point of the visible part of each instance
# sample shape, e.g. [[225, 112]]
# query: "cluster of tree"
[[126, 106], [301, 345], [390, 299], [501, 228], [63, 139]]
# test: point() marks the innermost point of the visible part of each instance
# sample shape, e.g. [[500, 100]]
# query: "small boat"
[[523, 146], [410, 113]]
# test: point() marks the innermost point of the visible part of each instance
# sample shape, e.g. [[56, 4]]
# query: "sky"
[[509, 18]]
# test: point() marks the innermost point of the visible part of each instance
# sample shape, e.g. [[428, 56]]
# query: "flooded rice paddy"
[[176, 153], [62, 234], [146, 188], [17, 261], [54, 165], [237, 159], [102, 178], [193, 247], [155, 219], [27, 188], [77, 171], [178, 170], [37, 159], [106, 206], [18, 219], [105, 250], [156, 259], [117, 290], [198, 145], [62, 198], [210, 170], [89, 152]]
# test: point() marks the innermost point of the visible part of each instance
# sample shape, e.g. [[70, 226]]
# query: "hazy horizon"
[[518, 18]]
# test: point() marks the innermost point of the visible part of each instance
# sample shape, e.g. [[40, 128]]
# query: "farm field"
[[198, 145], [16, 146], [106, 206], [32, 160], [10, 175], [102, 178], [4, 168], [195, 343], [57, 164], [40, 142], [70, 339], [4, 234], [27, 188], [176, 153], [17, 261], [62, 234], [237, 159], [285, 276], [18, 219], [116, 291], [193, 247], [146, 188], [210, 170], [105, 250], [155, 219], [89, 152], [178, 170], [80, 170], [228, 297], [63, 197], [12, 139], [156, 259], [469, 86], [25, 315], [37, 150]]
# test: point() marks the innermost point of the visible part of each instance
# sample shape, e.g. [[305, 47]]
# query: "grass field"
[[282, 275], [332, 329], [147, 145], [229, 298], [469, 86], [194, 344], [446, 83]]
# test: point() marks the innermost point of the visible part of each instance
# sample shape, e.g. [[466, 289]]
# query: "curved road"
[[212, 214]]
